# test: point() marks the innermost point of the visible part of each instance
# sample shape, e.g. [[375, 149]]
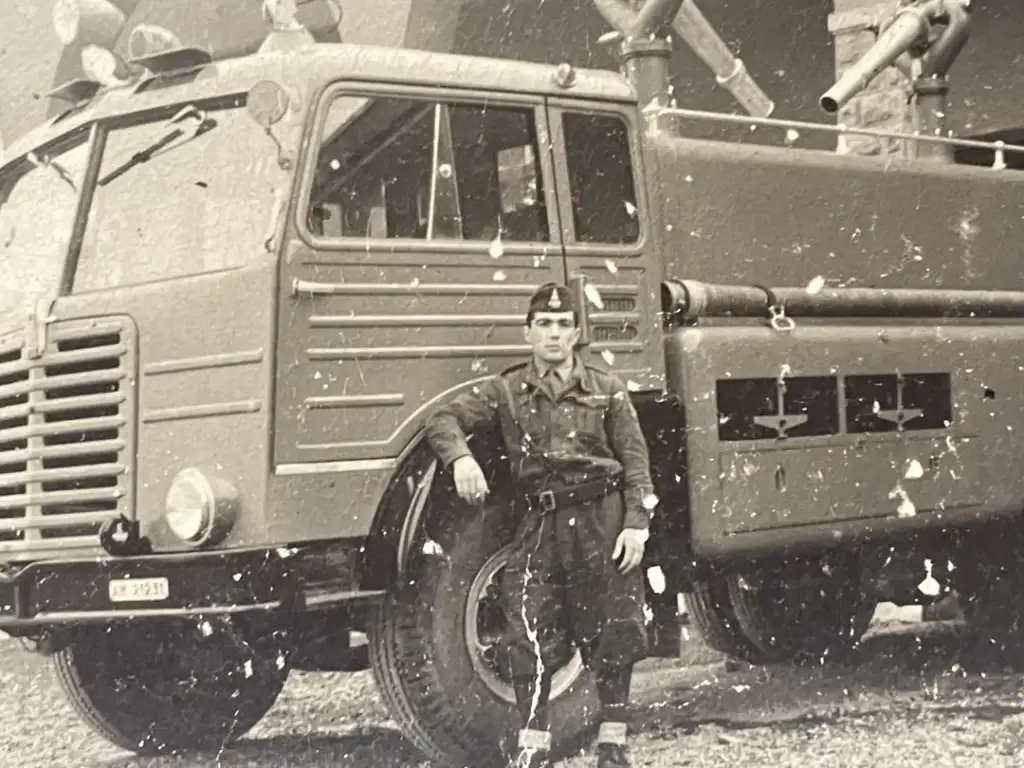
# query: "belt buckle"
[[547, 501]]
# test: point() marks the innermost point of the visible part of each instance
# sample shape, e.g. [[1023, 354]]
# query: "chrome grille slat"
[[15, 389], [74, 519], [83, 355], [12, 367], [94, 329], [83, 472], [66, 435], [59, 428], [84, 401], [79, 379], [64, 542], [62, 382], [71, 450], [10, 412]]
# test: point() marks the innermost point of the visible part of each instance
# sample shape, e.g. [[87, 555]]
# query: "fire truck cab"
[[232, 289]]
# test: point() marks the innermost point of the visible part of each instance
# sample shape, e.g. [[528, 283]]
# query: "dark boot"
[[611, 746], [532, 750], [533, 747], [613, 692]]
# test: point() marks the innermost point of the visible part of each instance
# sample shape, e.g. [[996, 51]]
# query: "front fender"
[[405, 506], [395, 524]]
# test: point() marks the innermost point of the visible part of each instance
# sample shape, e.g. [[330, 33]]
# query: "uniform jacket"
[[589, 429]]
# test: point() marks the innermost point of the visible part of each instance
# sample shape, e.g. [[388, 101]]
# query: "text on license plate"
[[139, 590]]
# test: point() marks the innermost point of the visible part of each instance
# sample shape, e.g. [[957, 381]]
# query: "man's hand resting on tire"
[[470, 483]]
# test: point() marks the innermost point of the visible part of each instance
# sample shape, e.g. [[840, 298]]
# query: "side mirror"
[[267, 102]]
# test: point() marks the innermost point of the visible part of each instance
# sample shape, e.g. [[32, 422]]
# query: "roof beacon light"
[[102, 66], [283, 14], [150, 40], [288, 33], [88, 22]]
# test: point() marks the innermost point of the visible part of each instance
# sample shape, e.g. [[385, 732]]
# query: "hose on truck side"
[[688, 300]]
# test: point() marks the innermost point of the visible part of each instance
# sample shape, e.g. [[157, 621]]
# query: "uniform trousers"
[[563, 590]]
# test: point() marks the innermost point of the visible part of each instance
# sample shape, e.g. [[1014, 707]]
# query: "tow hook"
[[120, 538], [48, 642]]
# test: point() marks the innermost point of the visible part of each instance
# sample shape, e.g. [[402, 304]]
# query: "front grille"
[[66, 435]]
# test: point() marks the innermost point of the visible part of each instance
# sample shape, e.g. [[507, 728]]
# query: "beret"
[[552, 297]]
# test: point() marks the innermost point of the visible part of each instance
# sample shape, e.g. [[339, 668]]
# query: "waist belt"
[[551, 500]]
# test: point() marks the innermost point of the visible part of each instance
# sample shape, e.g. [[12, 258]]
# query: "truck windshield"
[[189, 191], [38, 195]]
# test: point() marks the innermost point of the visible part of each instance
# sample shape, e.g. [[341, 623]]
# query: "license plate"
[[139, 590]]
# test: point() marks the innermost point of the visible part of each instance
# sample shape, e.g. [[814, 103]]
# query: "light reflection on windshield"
[[37, 209], [198, 204]]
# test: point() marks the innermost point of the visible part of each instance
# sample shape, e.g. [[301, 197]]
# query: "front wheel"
[[166, 688], [437, 657]]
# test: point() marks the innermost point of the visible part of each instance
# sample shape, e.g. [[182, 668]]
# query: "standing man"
[[582, 485]]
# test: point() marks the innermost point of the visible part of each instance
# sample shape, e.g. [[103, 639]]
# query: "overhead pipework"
[[646, 50], [295, 23], [923, 40]]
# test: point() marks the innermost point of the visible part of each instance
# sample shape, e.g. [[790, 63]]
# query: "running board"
[[320, 598]]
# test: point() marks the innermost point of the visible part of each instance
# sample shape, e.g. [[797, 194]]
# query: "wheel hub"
[[485, 627]]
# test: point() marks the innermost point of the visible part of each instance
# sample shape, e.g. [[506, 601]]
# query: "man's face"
[[553, 336]]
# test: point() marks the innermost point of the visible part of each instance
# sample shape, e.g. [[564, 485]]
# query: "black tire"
[[714, 619], [156, 689], [992, 606], [794, 613], [986, 580], [421, 658]]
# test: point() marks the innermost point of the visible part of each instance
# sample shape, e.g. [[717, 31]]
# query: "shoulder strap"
[[510, 426], [519, 444], [514, 367]]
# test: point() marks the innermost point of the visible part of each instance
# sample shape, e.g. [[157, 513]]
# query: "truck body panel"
[[846, 423], [777, 216]]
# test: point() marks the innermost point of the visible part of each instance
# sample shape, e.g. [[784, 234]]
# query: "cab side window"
[[395, 167], [601, 178]]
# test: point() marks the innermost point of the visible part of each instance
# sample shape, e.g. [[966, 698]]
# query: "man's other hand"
[[470, 482], [630, 545]]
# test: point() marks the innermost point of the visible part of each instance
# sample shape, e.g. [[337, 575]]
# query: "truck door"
[[604, 211], [427, 220]]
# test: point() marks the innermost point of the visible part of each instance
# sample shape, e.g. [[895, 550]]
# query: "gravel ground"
[[917, 695]]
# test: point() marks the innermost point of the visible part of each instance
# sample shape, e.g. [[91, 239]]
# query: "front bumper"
[[51, 593]]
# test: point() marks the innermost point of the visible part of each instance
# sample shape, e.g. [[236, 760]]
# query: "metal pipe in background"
[[691, 299], [730, 72], [655, 15], [687, 21], [905, 31]]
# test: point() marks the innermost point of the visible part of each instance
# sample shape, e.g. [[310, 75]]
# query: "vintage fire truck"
[[233, 287]]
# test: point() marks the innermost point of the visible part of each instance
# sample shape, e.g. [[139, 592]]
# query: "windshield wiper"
[[53, 165], [204, 125]]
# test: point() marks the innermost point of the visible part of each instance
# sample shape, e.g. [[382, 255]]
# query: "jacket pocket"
[[589, 417]]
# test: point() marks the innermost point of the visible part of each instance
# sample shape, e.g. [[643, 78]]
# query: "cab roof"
[[311, 67]]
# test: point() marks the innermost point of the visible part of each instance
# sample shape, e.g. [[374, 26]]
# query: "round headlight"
[[199, 509]]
